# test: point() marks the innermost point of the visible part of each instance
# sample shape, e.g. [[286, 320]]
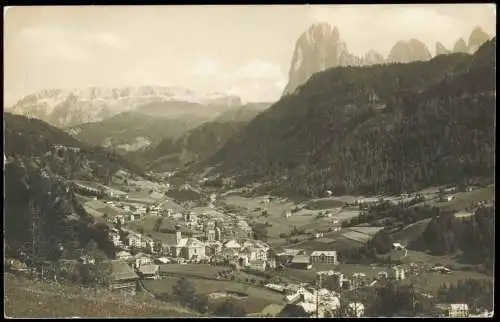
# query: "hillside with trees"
[[43, 218], [125, 132], [195, 145], [42, 214], [471, 237], [382, 128], [36, 141]]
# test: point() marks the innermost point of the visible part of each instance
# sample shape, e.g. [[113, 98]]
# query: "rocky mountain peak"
[[476, 39], [64, 108], [373, 58], [408, 51], [441, 49], [460, 46], [317, 49]]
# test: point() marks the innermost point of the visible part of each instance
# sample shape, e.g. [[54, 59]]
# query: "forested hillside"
[[126, 131], [39, 203], [383, 128], [243, 113], [43, 217], [472, 236], [35, 140], [195, 145]]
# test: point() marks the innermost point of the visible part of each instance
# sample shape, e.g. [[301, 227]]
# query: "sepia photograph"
[[266, 161]]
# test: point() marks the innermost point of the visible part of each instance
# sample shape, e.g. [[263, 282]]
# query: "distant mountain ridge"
[[65, 108], [321, 47]]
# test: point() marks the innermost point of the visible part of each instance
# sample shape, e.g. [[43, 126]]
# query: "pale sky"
[[241, 50]]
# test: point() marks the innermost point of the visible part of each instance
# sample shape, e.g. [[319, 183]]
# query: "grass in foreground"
[[258, 297], [25, 298]]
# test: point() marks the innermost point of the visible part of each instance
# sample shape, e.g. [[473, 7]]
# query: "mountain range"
[[65, 108], [321, 47], [373, 129]]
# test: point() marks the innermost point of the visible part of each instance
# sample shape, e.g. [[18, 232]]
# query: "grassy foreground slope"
[[25, 298]]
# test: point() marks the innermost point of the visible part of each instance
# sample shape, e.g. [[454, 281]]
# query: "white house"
[[232, 244], [357, 309], [398, 273], [257, 265], [135, 240], [397, 246], [115, 237], [324, 257], [189, 248], [142, 259], [123, 255]]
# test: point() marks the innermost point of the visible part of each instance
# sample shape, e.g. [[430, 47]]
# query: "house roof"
[[456, 306], [142, 255], [301, 259], [291, 251], [189, 242], [93, 212], [149, 269], [123, 253], [122, 271], [326, 253], [232, 244], [292, 310]]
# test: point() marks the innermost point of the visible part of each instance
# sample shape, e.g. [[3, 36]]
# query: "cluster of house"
[[299, 259], [245, 253], [229, 226], [133, 211], [95, 189], [312, 301], [59, 147]]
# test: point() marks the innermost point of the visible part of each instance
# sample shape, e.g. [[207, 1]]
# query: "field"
[[276, 210], [337, 243], [322, 204], [367, 230], [148, 222], [356, 236], [431, 282], [25, 298], [411, 231], [258, 297], [197, 270], [346, 269], [463, 199]]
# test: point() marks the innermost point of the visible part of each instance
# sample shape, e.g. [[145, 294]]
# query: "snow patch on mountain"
[[64, 108]]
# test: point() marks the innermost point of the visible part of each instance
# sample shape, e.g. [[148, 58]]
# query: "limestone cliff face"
[[460, 46], [476, 39], [441, 49], [372, 58], [65, 108], [408, 51], [321, 47], [317, 49]]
